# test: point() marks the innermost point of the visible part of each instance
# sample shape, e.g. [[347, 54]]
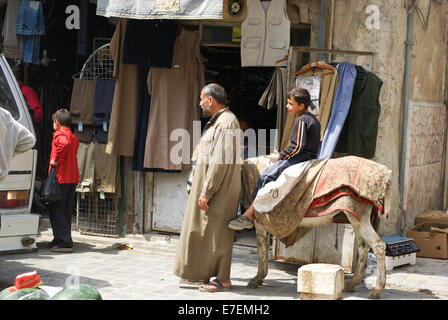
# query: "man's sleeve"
[[25, 139], [14, 137], [221, 157]]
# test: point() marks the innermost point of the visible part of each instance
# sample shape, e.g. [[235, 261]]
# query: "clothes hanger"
[[314, 64], [285, 58]]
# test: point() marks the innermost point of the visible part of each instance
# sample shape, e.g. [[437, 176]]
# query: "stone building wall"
[[426, 125]]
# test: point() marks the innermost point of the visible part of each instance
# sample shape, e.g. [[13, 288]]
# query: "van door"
[[16, 191]]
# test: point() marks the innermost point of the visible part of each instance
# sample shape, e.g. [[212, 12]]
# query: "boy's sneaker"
[[241, 223], [61, 249]]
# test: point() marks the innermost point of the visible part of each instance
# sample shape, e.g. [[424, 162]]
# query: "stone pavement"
[[145, 272]]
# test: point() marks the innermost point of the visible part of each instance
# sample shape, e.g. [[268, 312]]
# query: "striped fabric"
[[161, 9], [299, 143]]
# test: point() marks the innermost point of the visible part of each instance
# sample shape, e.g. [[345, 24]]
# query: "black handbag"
[[52, 190]]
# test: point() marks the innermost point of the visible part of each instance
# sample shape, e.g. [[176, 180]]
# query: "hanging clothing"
[[339, 109], [150, 42], [161, 9], [276, 95], [86, 134], [107, 170], [358, 136], [32, 99], [102, 107], [265, 33], [85, 34], [141, 127], [86, 166], [82, 101], [121, 131], [328, 85], [174, 102], [31, 25], [205, 244], [12, 43]]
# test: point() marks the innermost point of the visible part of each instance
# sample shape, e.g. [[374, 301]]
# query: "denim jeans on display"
[[31, 25], [340, 108]]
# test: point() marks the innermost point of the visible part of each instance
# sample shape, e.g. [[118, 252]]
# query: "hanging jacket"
[[265, 34], [358, 136]]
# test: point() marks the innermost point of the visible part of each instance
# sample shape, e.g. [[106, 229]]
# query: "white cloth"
[[161, 9], [275, 191], [265, 34], [12, 42], [14, 137]]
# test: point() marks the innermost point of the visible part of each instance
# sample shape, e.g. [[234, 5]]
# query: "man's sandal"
[[213, 286], [240, 223], [192, 282]]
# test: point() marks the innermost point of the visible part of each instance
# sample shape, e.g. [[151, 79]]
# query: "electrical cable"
[[425, 22]]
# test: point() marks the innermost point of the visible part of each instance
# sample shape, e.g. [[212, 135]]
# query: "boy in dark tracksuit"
[[305, 143], [63, 157]]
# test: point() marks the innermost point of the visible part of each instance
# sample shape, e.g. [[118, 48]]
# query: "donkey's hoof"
[[254, 283], [350, 287], [374, 295]]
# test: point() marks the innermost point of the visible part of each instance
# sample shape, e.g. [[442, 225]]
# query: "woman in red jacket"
[[63, 157]]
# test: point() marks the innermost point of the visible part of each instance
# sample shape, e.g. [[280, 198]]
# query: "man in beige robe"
[[205, 246]]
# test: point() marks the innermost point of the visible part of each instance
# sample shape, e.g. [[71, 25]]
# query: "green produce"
[[27, 294], [79, 292], [6, 292]]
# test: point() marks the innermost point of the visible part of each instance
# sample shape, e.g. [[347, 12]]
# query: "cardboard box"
[[432, 244], [432, 216]]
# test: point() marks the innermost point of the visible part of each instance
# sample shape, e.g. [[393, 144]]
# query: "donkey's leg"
[[363, 251], [365, 231], [263, 251]]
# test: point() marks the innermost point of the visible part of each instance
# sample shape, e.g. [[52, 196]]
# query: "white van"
[[19, 227]]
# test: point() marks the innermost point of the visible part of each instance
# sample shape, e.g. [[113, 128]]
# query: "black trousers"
[[61, 216]]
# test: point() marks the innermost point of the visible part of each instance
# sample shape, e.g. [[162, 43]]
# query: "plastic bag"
[[52, 190]]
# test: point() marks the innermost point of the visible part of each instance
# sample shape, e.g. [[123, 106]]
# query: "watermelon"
[[27, 294], [78, 292], [27, 280], [6, 292]]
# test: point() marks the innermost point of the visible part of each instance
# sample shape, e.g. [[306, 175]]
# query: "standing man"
[[205, 247]]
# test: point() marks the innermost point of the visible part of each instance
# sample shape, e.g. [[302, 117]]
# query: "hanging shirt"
[[33, 100]]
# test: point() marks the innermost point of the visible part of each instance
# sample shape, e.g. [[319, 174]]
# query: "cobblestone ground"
[[145, 273]]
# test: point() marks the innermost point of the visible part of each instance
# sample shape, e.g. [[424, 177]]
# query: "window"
[[7, 100]]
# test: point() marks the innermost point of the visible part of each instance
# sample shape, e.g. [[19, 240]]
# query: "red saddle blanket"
[[342, 199]]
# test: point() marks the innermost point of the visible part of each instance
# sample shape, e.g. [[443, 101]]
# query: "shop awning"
[[161, 9]]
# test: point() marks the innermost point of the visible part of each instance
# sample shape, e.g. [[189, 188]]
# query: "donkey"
[[365, 227]]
